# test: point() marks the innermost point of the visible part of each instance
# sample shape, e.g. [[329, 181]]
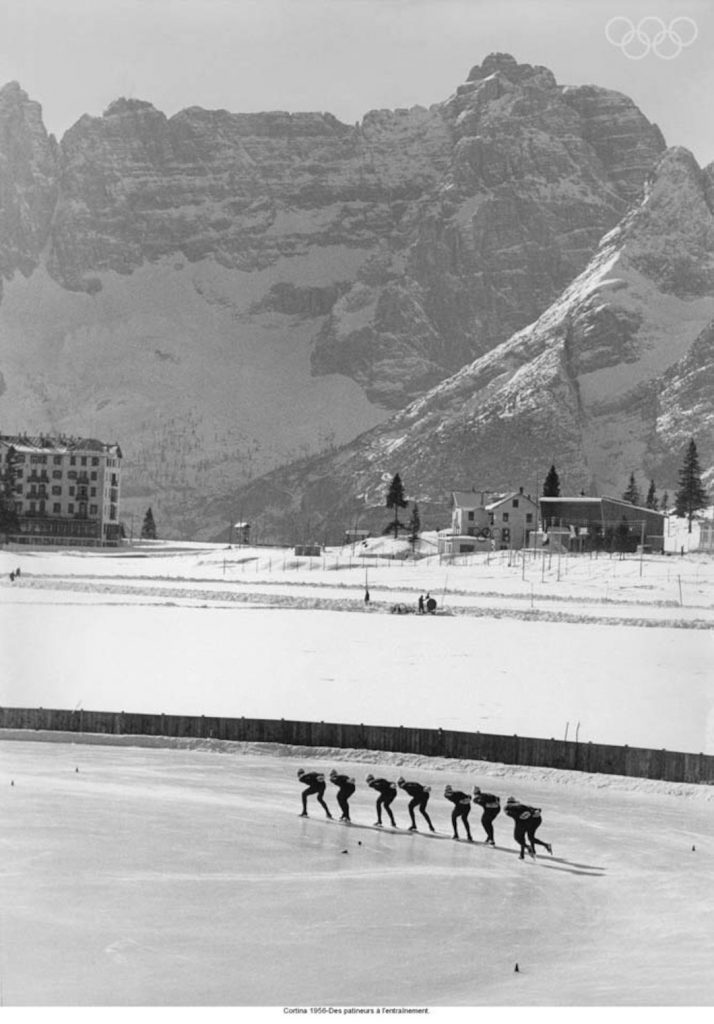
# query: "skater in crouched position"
[[526, 822], [387, 791], [419, 799], [345, 788], [462, 809], [315, 783], [491, 806]]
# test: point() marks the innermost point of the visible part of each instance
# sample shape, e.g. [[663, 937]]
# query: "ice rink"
[[165, 877]]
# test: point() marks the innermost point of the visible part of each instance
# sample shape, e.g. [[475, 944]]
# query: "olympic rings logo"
[[651, 35]]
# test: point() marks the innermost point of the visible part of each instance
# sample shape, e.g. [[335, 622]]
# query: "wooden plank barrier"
[[640, 762]]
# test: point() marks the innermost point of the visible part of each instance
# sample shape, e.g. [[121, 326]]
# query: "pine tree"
[[665, 501], [551, 486], [148, 527], [396, 500], [651, 501], [414, 525], [632, 493], [9, 522], [691, 495]]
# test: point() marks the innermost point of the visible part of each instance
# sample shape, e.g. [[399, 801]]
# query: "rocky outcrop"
[[613, 378], [472, 215], [28, 181]]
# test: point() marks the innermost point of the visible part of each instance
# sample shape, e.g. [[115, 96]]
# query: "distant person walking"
[[491, 806], [366, 596], [462, 809], [419, 799], [345, 788], [387, 792], [315, 783], [421, 604]]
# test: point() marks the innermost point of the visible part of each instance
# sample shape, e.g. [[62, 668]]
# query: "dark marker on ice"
[[517, 969]]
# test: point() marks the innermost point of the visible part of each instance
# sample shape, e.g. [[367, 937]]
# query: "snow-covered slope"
[[613, 378]]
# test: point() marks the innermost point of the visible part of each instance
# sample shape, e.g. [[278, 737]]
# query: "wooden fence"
[[672, 766]]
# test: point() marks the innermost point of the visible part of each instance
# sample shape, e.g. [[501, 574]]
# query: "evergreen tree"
[[665, 501], [691, 495], [551, 487], [632, 493], [651, 501], [414, 525], [148, 527], [9, 521], [396, 500]]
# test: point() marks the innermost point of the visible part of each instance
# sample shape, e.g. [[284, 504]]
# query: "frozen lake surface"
[[166, 877]]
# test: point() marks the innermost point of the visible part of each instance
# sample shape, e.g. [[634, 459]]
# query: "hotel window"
[[56, 489], [95, 461], [515, 502], [56, 474], [71, 492], [92, 476], [93, 510], [73, 460], [529, 517], [56, 508], [505, 517], [84, 460], [70, 508], [57, 459]]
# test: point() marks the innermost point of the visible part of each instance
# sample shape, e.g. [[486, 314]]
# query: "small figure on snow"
[[421, 604], [366, 596], [345, 788], [526, 822], [491, 806], [462, 809], [315, 783], [387, 792], [419, 798]]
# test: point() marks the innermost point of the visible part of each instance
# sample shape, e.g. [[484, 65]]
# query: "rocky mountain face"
[[28, 182], [223, 292], [614, 377]]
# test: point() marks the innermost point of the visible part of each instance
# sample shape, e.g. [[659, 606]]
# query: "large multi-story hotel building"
[[64, 489]]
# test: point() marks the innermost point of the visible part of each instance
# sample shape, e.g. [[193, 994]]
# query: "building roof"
[[509, 497], [34, 443], [581, 499], [467, 499]]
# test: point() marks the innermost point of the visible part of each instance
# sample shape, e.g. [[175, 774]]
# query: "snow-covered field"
[[602, 648], [180, 875]]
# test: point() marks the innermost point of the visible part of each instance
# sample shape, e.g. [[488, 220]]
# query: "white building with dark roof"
[[65, 489]]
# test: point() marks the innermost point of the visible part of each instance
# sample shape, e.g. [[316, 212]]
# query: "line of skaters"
[[527, 820]]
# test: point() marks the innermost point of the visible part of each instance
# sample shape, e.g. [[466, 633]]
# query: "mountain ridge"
[[215, 289]]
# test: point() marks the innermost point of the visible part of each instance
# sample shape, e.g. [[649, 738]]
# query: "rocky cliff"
[[613, 378], [222, 292]]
